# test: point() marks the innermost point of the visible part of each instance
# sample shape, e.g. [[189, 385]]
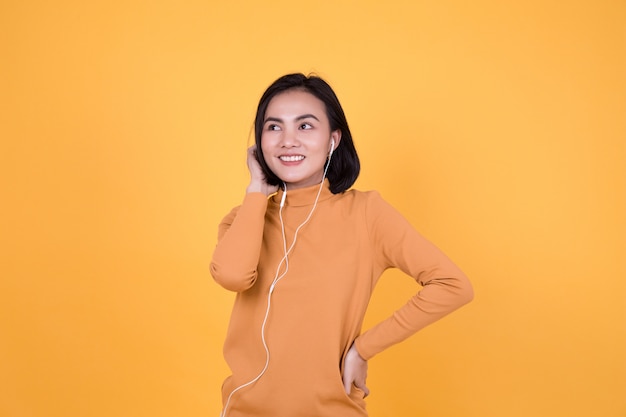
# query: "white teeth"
[[291, 158]]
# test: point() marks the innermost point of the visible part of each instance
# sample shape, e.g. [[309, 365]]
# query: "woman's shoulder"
[[370, 200], [364, 195]]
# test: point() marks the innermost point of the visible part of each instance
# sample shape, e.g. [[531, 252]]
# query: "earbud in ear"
[[332, 147]]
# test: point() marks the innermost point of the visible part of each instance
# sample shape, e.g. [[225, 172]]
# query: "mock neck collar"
[[303, 196]]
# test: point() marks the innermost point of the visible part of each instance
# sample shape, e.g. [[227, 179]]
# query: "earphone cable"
[[277, 277]]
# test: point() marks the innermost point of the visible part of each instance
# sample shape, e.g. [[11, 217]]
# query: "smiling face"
[[296, 138]]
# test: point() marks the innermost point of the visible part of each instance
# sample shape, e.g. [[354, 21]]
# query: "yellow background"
[[498, 128]]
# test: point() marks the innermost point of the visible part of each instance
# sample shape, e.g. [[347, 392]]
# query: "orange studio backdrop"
[[497, 128]]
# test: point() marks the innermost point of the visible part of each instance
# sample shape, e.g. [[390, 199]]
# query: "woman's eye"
[[272, 127], [305, 126]]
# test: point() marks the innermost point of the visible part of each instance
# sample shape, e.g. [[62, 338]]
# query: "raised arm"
[[240, 234]]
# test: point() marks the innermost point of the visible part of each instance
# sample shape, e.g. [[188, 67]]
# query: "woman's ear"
[[335, 138]]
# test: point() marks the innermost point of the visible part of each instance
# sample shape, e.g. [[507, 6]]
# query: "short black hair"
[[344, 165]]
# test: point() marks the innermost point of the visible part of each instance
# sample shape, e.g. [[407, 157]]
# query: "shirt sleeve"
[[444, 286], [240, 236]]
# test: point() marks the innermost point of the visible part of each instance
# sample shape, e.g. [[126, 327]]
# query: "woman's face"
[[296, 138]]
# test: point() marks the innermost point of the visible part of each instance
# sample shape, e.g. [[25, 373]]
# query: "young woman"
[[304, 253]]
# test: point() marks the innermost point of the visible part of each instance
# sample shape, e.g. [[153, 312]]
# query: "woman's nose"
[[289, 138]]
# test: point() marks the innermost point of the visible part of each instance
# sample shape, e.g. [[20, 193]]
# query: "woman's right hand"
[[257, 177]]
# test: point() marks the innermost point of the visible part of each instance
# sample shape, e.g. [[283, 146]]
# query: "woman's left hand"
[[354, 371]]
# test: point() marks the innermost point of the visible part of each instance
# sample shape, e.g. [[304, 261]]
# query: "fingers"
[[348, 376], [252, 154], [361, 385], [258, 182], [347, 385], [253, 164], [360, 380], [355, 372]]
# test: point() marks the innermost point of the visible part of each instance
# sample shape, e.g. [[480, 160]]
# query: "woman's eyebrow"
[[302, 117], [307, 116], [272, 119]]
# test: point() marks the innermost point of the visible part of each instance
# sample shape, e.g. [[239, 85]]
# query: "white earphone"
[[279, 276]]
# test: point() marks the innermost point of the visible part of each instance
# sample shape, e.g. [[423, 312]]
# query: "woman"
[[304, 253]]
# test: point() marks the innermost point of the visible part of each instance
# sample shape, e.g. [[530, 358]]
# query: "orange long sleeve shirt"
[[317, 308]]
